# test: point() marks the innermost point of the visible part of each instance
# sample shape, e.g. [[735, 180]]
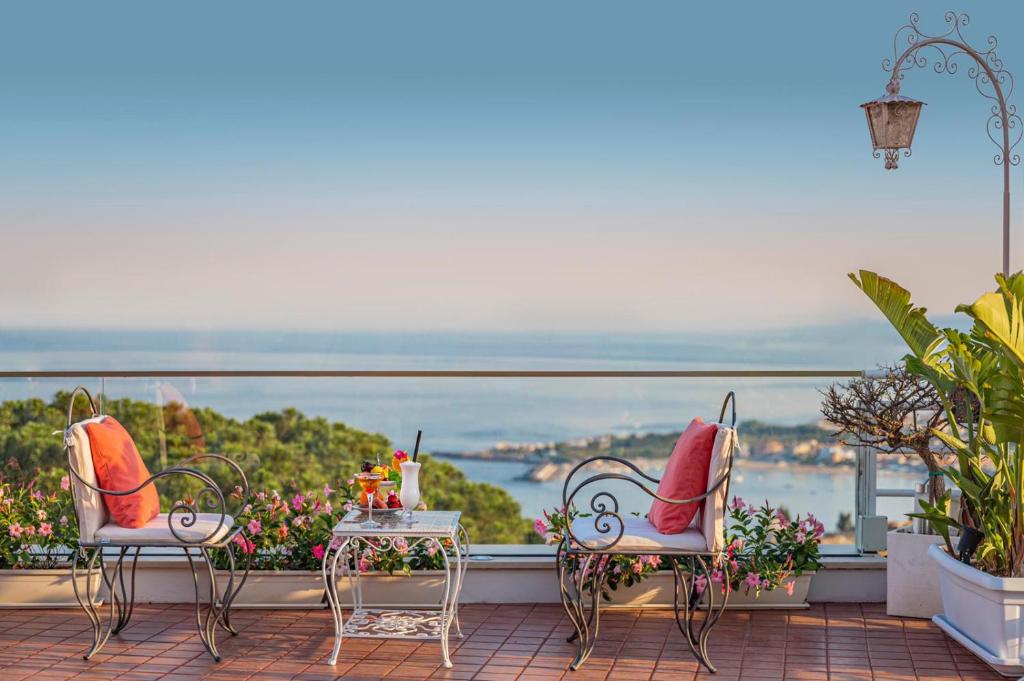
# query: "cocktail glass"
[[369, 482]]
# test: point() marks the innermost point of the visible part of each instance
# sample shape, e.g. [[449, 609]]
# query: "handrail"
[[444, 373]]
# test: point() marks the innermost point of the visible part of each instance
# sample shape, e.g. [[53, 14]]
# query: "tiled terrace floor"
[[502, 642]]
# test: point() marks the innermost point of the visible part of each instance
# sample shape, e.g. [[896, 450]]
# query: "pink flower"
[[244, 544], [700, 583], [30, 530], [539, 527], [297, 501], [282, 531], [45, 529], [15, 530], [753, 580], [40, 514], [347, 506], [789, 588], [351, 481], [327, 489], [328, 509], [254, 527], [638, 566], [734, 565], [431, 550], [737, 504], [37, 495], [800, 537], [318, 551], [365, 565], [654, 561], [716, 576], [65, 483], [736, 544], [781, 516]]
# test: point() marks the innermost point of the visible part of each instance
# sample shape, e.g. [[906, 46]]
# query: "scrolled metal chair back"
[[608, 520], [210, 495]]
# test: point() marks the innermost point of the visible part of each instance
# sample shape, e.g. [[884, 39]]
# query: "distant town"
[[762, 444]]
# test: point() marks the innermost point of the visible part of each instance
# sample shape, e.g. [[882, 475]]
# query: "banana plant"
[[979, 377]]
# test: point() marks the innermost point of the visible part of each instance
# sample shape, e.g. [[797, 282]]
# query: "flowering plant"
[[36, 527], [294, 532], [765, 550]]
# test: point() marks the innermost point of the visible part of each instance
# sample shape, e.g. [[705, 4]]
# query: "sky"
[[571, 166]]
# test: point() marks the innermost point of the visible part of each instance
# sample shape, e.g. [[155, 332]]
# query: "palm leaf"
[[894, 302]]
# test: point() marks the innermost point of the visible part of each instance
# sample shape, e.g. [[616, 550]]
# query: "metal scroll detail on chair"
[[186, 513], [582, 565]]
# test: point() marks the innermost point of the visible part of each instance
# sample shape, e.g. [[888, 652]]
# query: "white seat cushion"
[[639, 535], [157, 531]]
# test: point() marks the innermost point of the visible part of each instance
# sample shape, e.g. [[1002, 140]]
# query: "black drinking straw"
[[416, 449]]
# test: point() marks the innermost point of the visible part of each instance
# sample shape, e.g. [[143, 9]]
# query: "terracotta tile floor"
[[502, 642]]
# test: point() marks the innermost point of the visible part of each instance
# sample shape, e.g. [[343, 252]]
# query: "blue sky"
[[462, 165]]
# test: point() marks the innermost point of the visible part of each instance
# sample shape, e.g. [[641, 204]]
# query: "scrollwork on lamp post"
[[892, 118]]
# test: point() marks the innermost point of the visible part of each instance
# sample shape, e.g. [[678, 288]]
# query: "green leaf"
[[893, 301]]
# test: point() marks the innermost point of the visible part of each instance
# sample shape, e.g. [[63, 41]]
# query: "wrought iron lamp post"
[[892, 119]]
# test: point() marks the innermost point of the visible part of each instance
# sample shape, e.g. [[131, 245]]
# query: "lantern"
[[892, 120]]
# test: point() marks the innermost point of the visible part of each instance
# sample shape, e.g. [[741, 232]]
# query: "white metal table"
[[350, 539]]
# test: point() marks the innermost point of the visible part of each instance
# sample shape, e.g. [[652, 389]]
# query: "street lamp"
[[892, 118]]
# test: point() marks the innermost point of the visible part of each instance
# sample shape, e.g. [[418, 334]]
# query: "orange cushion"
[[120, 468], [686, 476]]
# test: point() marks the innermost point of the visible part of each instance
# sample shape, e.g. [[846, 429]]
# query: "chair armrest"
[[605, 517], [210, 496]]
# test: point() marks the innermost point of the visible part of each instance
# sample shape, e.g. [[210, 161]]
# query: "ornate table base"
[[350, 539]]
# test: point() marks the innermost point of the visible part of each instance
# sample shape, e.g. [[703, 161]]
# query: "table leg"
[[445, 603], [462, 552], [331, 587]]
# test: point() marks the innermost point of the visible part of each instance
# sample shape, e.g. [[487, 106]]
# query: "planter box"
[[302, 589], [912, 577], [657, 590], [44, 588], [983, 613]]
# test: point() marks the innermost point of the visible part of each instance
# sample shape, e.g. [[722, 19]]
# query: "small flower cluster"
[[36, 526], [764, 551]]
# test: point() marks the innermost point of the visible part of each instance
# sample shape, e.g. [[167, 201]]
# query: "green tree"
[[284, 451]]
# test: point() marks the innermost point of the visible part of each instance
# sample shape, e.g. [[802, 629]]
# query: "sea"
[[473, 414]]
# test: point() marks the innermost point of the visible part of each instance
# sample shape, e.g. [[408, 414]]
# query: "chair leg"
[[685, 586], [87, 603], [201, 625], [232, 589], [588, 577], [127, 598], [565, 565]]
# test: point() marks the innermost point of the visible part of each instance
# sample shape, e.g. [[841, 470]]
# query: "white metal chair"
[[184, 527], [693, 553]]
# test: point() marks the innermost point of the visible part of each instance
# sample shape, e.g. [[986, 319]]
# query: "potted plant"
[[897, 412], [772, 559], [978, 377], [36, 529]]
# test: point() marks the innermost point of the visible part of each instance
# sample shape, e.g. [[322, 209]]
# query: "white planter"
[[302, 589], [983, 613], [911, 575], [657, 590], [43, 588]]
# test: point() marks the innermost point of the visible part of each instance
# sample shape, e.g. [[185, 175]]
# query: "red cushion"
[[120, 468], [686, 476]]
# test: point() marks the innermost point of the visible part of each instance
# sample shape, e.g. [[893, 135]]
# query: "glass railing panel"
[[516, 436]]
